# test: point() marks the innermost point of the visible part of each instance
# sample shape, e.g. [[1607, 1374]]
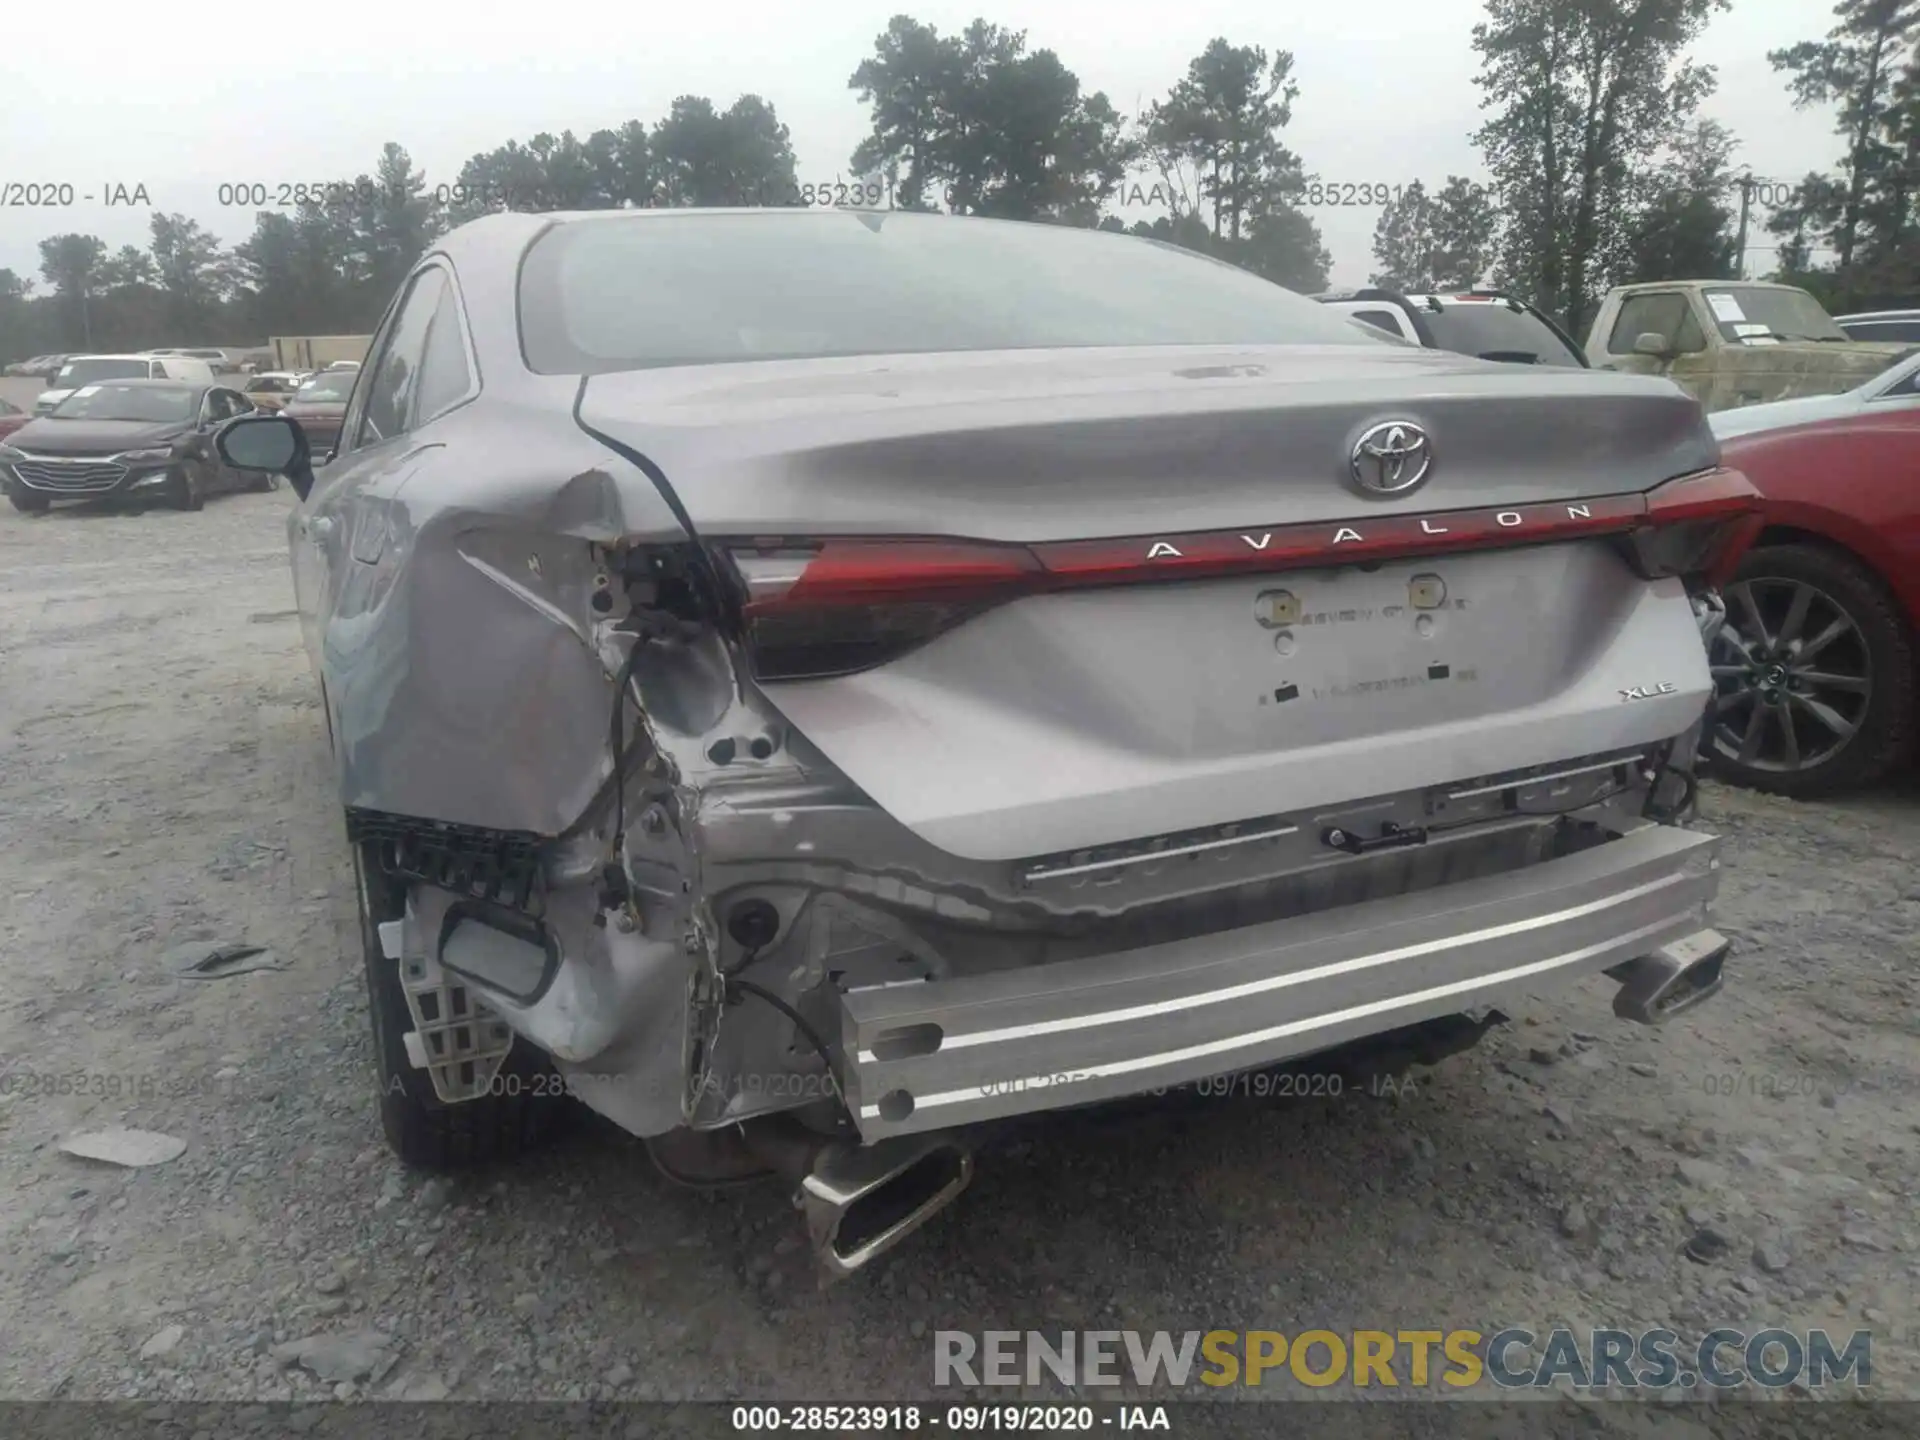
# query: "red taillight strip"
[[878, 570], [1376, 537], [873, 572]]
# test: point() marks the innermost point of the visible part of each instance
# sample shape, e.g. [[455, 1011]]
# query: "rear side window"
[[1385, 320], [394, 384], [668, 288], [445, 376]]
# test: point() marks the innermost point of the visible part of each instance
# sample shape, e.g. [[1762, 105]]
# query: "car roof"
[[1706, 284]]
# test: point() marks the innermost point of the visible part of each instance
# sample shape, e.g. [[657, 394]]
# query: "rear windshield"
[[628, 294], [1492, 331], [85, 372], [328, 389]]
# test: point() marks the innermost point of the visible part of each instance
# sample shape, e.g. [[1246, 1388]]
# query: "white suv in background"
[[222, 362], [89, 369], [1487, 324]]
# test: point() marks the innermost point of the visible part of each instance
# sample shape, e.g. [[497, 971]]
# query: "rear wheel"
[[1813, 674], [526, 1105]]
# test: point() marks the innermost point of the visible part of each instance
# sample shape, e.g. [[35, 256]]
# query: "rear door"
[[342, 529]]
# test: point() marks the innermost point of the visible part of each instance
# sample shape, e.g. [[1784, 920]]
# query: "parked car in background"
[[315, 352], [1901, 327], [1814, 670], [806, 718], [319, 406], [12, 417], [44, 367], [223, 361], [348, 365], [89, 369], [1731, 342], [24, 367], [272, 389], [133, 441], [1487, 324], [1895, 388]]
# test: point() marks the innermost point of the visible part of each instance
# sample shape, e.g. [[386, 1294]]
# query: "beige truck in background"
[[1732, 342], [316, 352]]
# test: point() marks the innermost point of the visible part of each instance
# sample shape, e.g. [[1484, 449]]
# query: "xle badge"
[[1647, 692]]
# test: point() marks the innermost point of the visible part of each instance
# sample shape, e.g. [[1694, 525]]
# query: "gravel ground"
[[164, 779]]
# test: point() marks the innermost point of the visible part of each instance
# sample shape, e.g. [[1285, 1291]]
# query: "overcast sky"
[[182, 100]]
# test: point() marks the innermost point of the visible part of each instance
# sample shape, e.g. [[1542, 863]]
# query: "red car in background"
[[1815, 667], [12, 417]]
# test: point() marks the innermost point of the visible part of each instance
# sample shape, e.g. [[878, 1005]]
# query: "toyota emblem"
[[1391, 458]]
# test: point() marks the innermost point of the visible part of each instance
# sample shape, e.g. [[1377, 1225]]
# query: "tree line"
[[1599, 172]]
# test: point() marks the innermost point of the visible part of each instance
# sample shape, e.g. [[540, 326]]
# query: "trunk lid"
[[1081, 444], [1050, 719]]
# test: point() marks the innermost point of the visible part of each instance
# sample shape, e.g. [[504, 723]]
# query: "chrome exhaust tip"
[[861, 1201], [1671, 980]]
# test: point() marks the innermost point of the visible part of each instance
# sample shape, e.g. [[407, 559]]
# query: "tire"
[[30, 504], [1863, 675], [422, 1130], [185, 491]]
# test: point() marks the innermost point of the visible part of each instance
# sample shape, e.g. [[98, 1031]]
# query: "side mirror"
[[1652, 342], [270, 444]]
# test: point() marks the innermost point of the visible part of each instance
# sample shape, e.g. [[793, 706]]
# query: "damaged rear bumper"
[[943, 1052]]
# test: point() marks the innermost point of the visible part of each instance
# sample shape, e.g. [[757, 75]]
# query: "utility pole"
[[1740, 236]]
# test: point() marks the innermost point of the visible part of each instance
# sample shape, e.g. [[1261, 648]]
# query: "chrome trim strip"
[[1302, 977], [1613, 764], [1294, 1027], [1043, 873]]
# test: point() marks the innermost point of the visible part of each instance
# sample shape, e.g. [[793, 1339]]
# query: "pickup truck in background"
[[1730, 343]]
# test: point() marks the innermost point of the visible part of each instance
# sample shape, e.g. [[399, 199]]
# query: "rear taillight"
[[819, 608], [1697, 526], [840, 606]]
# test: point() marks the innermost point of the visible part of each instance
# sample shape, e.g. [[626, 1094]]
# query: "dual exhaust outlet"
[[859, 1201], [1671, 980]]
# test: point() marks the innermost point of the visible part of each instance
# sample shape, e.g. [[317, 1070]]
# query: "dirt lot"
[[163, 778]]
